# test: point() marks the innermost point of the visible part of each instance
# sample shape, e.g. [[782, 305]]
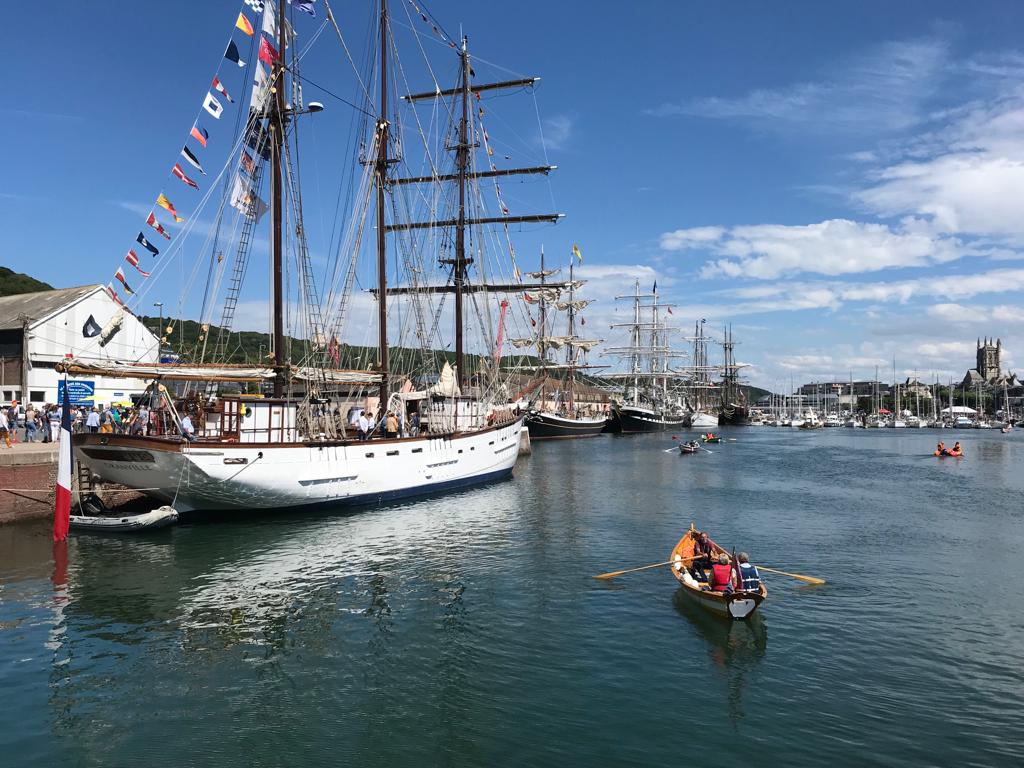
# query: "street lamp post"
[[159, 330]]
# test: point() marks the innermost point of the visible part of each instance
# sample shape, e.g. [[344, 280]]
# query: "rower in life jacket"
[[750, 579], [721, 575]]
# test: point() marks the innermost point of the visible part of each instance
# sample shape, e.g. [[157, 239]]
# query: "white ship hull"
[[701, 420], [233, 476]]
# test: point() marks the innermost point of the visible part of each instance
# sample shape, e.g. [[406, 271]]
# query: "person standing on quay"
[[55, 413], [30, 424], [92, 421], [5, 430]]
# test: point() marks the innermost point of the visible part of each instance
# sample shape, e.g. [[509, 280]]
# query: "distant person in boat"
[[363, 424], [940, 448], [956, 447], [750, 579], [721, 575], [391, 425], [414, 424], [187, 430]]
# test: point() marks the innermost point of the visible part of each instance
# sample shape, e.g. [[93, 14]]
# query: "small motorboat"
[[97, 518], [690, 447], [1006, 429], [737, 605], [711, 438]]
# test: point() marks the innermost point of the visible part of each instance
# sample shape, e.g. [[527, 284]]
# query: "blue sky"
[[843, 184]]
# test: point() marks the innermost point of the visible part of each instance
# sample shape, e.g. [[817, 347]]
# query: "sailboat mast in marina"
[[430, 424]]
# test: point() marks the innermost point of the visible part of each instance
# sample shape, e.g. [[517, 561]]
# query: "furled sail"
[[577, 306], [196, 372]]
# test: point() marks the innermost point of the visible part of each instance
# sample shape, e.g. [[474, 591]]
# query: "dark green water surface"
[[465, 630]]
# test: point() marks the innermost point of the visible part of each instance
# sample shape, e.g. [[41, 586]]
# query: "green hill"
[[13, 283]]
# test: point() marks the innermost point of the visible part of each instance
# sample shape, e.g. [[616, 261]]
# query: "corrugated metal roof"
[[38, 305]]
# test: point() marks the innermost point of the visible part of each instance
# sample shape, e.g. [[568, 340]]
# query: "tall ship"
[[651, 400], [733, 407], [317, 422], [702, 392], [556, 412]]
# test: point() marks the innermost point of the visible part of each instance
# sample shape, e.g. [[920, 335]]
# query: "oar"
[[808, 579], [705, 449], [613, 574], [669, 450]]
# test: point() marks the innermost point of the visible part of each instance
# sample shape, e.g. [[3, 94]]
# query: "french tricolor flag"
[[62, 494]]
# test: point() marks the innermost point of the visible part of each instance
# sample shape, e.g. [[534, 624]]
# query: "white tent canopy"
[[959, 410]]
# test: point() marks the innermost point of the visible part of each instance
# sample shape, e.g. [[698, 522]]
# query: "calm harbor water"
[[465, 630]]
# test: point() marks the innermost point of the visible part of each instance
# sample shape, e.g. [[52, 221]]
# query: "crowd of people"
[[368, 425], [42, 424]]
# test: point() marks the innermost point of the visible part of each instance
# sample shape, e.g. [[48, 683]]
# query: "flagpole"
[[62, 489]]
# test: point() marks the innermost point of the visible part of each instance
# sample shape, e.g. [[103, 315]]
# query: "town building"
[[845, 393], [39, 330]]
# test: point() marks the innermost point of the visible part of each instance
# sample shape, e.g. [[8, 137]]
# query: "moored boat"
[[637, 418], [545, 425], [737, 605], [133, 522]]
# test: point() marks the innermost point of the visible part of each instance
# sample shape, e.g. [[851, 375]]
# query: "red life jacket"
[[721, 576]]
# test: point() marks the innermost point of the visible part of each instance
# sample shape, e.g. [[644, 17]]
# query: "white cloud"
[[969, 193], [690, 238], [885, 88], [832, 247], [557, 131]]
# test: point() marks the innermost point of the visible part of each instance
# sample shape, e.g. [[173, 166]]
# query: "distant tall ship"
[[702, 406], [650, 403], [556, 413], [733, 409]]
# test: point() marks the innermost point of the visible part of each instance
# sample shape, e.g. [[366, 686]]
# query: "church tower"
[[988, 359]]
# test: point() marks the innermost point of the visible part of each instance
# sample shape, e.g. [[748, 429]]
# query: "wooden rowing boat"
[[687, 448], [737, 605]]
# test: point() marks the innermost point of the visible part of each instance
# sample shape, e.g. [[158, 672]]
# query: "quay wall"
[[28, 475]]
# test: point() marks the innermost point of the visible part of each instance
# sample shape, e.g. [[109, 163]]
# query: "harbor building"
[[843, 393], [38, 330]]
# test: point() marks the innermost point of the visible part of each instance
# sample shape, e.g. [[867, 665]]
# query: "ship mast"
[[277, 125], [381, 179], [462, 163], [570, 349], [464, 92]]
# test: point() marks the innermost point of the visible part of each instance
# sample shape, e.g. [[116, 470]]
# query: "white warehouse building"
[[38, 330]]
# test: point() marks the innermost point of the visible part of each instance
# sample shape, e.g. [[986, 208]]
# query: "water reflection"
[[734, 647]]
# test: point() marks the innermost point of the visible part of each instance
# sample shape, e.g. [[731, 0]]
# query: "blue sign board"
[[79, 392]]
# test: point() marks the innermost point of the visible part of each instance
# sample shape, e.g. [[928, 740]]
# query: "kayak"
[[736, 605]]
